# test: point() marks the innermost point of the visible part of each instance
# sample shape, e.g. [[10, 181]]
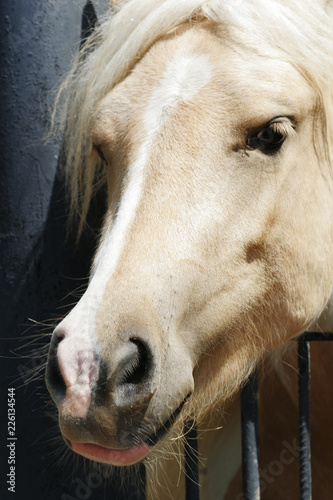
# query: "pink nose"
[[74, 373], [71, 372], [80, 372]]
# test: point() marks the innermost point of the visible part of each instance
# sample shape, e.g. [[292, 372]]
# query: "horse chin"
[[128, 455], [110, 456]]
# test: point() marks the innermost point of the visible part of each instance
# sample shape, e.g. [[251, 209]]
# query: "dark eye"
[[100, 154], [270, 138]]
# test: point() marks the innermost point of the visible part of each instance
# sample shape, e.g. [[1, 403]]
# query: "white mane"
[[299, 31]]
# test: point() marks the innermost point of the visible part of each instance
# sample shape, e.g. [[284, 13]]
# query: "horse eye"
[[270, 138]]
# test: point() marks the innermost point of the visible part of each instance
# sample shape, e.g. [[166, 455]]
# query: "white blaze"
[[184, 77]]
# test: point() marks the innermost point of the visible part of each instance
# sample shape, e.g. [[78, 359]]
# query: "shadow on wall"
[[39, 267]]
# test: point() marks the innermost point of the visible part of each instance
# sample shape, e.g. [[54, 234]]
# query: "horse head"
[[217, 241]]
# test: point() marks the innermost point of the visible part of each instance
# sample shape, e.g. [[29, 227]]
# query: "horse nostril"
[[54, 379], [136, 366]]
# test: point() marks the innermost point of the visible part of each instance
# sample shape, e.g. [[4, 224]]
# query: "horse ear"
[[89, 21]]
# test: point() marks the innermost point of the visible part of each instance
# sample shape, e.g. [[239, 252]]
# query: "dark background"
[[39, 267]]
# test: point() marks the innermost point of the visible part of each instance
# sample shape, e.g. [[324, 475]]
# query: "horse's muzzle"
[[92, 395]]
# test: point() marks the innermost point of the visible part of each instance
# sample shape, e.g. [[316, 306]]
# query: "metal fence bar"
[[304, 419], [251, 484], [314, 336], [191, 463], [249, 410], [304, 409]]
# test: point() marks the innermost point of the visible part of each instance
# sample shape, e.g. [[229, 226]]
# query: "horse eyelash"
[[284, 127]]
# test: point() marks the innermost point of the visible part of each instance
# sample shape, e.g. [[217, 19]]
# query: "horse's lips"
[[126, 456]]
